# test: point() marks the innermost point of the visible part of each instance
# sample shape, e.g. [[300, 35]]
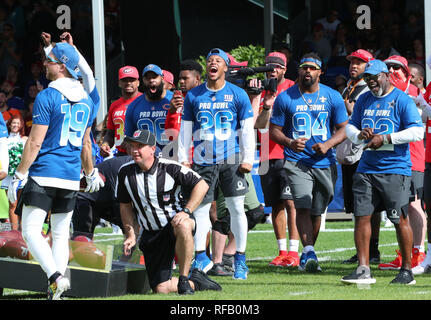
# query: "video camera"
[[238, 76]]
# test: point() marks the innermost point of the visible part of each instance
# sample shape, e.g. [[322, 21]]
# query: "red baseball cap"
[[399, 61], [168, 77], [276, 58], [128, 72], [233, 62], [361, 54]]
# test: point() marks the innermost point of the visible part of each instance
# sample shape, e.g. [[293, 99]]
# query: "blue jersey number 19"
[[75, 122]]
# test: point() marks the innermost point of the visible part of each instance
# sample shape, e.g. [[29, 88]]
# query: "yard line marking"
[[326, 230]]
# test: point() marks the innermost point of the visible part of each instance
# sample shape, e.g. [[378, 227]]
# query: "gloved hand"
[[18, 181], [94, 181]]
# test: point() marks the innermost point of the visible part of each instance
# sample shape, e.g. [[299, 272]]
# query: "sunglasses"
[[394, 66], [50, 59], [373, 77], [309, 66]]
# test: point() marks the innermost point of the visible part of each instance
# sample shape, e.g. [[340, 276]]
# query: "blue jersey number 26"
[[75, 123]]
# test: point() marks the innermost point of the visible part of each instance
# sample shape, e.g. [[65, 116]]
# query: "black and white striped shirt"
[[157, 194]]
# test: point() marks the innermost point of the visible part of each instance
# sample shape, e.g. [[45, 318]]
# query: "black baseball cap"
[[142, 136]]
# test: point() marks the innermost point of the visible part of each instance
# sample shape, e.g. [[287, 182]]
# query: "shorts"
[[232, 182], [251, 200], [417, 185], [312, 188], [275, 184], [158, 248], [48, 199], [378, 192], [427, 183]]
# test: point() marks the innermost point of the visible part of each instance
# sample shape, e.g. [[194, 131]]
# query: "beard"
[[154, 95], [307, 83]]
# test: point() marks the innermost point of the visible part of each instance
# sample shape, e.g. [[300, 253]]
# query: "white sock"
[[238, 221], [282, 244], [420, 248], [203, 226], [293, 245], [307, 249], [60, 225], [32, 222]]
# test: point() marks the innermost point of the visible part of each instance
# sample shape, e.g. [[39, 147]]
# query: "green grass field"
[[269, 283]]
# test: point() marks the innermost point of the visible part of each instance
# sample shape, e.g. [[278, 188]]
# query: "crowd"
[[177, 159]]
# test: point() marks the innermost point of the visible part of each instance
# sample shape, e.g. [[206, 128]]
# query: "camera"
[[238, 76]]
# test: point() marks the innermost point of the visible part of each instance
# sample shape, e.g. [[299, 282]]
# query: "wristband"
[[187, 210], [385, 139], [267, 109], [19, 175]]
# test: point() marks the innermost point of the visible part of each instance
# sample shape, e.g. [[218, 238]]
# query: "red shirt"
[[116, 118], [427, 97], [417, 150], [268, 148]]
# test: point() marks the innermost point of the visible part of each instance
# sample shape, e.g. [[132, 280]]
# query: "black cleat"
[[184, 287], [203, 282], [404, 277], [219, 269], [353, 259]]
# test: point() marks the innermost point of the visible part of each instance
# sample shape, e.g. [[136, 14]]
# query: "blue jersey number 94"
[[304, 128]]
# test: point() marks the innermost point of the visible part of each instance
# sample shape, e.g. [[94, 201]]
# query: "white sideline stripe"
[[326, 258], [326, 230]]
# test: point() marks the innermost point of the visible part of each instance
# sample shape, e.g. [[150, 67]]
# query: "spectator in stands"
[[16, 142], [330, 24], [5, 109], [318, 43], [10, 52]]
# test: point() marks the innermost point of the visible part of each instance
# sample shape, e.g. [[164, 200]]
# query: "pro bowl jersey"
[[216, 117], [143, 114], [312, 116], [391, 113], [58, 163]]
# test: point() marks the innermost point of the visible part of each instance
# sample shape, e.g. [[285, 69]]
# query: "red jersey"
[[417, 149], [427, 97], [116, 117], [268, 148]]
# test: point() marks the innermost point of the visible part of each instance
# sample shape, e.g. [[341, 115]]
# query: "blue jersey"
[[94, 96], [216, 117], [143, 114], [312, 116], [3, 129], [58, 163], [392, 113]]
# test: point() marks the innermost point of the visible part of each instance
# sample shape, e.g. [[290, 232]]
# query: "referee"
[[158, 196]]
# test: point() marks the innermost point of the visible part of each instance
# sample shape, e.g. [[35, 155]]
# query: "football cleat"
[[309, 263], [241, 269], [361, 275], [417, 257], [394, 265], [202, 262], [56, 289]]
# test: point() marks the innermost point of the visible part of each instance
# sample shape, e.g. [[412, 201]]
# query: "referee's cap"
[[142, 136]]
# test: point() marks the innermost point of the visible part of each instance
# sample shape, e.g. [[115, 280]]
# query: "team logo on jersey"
[[240, 186], [310, 101], [228, 97], [391, 104], [323, 99], [165, 107]]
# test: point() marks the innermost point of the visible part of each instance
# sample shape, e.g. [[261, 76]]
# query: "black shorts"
[[427, 183], [158, 248], [48, 199], [275, 184], [381, 192], [417, 185], [232, 182]]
